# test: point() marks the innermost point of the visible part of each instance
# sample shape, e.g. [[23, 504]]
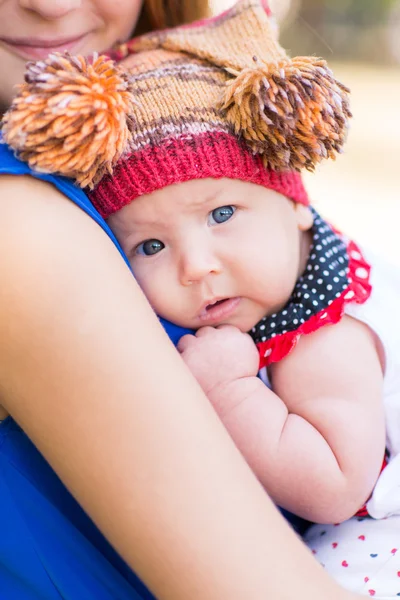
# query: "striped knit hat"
[[219, 98]]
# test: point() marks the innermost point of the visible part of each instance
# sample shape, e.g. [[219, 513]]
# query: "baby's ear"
[[304, 216]]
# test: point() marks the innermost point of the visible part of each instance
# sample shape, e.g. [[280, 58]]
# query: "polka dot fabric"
[[335, 274]]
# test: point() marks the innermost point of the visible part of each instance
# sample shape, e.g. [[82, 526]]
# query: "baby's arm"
[[317, 443], [332, 386]]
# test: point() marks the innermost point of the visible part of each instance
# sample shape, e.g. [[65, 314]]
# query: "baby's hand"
[[219, 355]]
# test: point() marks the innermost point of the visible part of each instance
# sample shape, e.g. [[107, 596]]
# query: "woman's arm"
[[87, 371]]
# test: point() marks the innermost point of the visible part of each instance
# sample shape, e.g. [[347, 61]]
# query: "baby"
[[194, 158]]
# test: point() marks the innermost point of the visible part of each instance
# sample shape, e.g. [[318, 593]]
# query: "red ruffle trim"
[[358, 290]]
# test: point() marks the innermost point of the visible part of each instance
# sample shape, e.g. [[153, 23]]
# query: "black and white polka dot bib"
[[336, 273]]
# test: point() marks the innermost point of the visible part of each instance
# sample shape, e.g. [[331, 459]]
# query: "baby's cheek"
[[166, 298], [156, 293], [147, 280]]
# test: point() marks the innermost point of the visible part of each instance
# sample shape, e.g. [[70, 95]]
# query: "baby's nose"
[[196, 265]]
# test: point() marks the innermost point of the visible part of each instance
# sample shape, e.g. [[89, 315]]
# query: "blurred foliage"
[[344, 29], [362, 12]]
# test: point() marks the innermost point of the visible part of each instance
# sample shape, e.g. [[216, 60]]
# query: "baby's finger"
[[203, 331], [185, 341], [227, 327]]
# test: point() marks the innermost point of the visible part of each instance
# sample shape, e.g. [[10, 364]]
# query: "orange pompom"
[[294, 112], [71, 117]]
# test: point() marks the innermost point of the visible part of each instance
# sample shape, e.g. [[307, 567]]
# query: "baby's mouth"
[[219, 310], [217, 303]]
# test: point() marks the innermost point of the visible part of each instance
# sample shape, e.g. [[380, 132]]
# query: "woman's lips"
[[36, 49], [219, 311]]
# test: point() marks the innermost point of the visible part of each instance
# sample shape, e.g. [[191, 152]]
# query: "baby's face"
[[212, 252]]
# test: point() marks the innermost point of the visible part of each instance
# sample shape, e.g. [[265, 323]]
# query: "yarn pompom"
[[294, 112], [71, 117]]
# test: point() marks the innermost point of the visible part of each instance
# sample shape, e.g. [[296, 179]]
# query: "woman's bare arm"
[[87, 371]]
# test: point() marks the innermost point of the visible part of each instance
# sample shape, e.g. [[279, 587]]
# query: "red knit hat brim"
[[209, 155]]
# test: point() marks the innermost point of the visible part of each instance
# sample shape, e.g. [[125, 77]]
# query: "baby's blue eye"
[[150, 247], [221, 214]]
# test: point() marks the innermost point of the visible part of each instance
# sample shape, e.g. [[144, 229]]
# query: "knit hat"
[[218, 98]]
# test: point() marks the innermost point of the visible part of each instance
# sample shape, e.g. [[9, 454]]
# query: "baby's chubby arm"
[[317, 442]]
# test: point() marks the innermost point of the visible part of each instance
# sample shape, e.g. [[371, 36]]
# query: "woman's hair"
[[158, 14]]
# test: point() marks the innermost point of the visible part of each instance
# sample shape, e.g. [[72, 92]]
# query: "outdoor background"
[[360, 191]]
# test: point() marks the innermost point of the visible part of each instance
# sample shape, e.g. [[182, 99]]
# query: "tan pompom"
[[71, 117], [293, 113]]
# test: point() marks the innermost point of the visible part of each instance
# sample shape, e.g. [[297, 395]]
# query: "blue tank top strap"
[[10, 164]]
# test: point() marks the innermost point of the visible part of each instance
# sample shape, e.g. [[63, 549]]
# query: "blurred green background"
[[360, 191], [364, 30]]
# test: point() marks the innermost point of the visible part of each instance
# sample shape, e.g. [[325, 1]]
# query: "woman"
[[89, 375]]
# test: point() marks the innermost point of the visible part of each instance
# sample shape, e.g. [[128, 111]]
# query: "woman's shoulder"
[[24, 187], [11, 166], [47, 242], [42, 200]]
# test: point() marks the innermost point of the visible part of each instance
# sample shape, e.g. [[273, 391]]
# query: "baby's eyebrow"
[[211, 198], [142, 221]]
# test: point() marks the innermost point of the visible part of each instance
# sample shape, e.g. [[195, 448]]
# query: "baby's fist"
[[219, 355]]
